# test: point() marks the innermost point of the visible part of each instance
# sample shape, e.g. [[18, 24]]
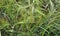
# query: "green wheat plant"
[[29, 17]]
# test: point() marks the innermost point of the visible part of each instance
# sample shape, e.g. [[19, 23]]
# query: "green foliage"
[[30, 17]]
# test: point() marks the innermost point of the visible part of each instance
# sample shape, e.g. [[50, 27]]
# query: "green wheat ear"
[[3, 23]]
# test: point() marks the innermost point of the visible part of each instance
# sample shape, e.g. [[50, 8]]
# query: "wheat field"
[[29, 17]]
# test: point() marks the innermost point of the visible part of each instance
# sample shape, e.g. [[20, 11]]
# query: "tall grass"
[[29, 17]]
